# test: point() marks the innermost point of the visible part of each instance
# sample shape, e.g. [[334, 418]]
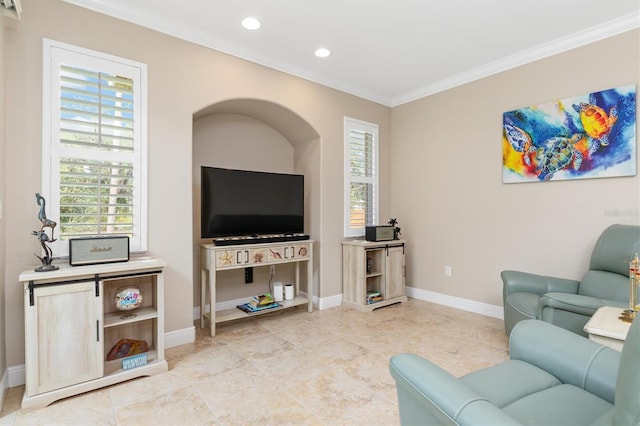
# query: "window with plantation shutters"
[[361, 176], [94, 147]]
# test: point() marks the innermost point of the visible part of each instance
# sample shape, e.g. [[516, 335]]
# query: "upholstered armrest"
[[427, 394], [516, 281], [571, 358], [577, 303]]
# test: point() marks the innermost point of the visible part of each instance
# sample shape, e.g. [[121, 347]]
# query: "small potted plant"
[[396, 229]]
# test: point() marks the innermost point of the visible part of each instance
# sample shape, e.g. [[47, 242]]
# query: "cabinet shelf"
[[79, 301], [373, 267], [114, 319]]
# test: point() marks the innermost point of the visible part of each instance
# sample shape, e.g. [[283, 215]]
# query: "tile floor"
[[329, 367]]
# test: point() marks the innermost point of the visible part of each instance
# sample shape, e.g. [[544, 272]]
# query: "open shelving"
[[215, 259], [80, 301]]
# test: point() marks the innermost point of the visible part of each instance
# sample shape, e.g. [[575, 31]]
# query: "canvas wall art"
[[588, 136]]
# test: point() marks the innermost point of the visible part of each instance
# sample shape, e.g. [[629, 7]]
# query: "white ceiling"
[[387, 51]]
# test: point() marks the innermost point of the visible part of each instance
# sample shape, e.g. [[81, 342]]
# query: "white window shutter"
[[361, 176], [94, 154]]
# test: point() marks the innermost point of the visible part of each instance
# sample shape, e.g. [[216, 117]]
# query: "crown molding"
[[591, 35]]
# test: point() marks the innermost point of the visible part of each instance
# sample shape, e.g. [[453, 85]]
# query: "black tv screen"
[[245, 203]]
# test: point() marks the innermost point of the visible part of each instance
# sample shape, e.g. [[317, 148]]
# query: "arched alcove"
[[293, 127], [253, 134]]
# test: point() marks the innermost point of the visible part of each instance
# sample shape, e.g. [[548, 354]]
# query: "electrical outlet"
[[448, 271]]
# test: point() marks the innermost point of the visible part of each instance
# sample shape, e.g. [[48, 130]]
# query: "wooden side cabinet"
[[71, 324], [373, 273]]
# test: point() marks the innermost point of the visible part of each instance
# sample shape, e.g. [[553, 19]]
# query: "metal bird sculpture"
[[44, 238]]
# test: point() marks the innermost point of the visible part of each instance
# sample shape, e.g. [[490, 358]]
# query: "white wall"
[[447, 185], [441, 176], [235, 141], [207, 77], [3, 319]]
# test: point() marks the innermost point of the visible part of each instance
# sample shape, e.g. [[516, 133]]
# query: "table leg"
[[212, 311], [203, 292]]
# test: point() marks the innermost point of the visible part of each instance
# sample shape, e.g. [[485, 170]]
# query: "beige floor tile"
[[93, 408], [182, 407], [11, 406], [327, 367]]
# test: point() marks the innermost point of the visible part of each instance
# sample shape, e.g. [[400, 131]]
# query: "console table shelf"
[[235, 313], [214, 259]]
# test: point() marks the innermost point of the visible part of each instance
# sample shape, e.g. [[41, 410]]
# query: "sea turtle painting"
[[596, 122], [556, 154], [520, 141], [591, 135]]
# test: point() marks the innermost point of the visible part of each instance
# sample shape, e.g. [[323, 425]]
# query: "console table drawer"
[[288, 252], [244, 257], [229, 258]]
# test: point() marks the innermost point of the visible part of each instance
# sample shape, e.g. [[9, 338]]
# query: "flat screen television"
[[250, 203]]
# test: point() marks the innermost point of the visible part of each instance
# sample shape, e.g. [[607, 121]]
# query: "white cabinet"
[[394, 272], [64, 344], [214, 259], [373, 273], [71, 324]]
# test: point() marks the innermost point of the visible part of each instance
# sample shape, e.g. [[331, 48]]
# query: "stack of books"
[[259, 303], [373, 297], [261, 300]]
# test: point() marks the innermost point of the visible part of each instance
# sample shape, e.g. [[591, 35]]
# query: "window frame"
[[55, 54], [367, 127]]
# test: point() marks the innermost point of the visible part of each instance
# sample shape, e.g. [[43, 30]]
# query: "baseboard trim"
[[16, 375], [180, 337], [330, 302], [456, 302], [416, 293]]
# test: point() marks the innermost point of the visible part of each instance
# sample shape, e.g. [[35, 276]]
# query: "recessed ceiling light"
[[322, 52], [251, 23]]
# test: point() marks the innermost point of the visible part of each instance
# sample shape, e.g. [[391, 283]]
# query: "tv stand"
[[214, 259], [258, 239]]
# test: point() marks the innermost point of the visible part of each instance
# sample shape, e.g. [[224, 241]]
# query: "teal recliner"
[[553, 377], [570, 303]]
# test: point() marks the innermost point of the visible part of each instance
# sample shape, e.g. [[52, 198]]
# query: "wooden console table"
[[214, 259]]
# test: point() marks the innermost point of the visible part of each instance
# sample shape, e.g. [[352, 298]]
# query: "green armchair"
[[553, 377], [570, 303]]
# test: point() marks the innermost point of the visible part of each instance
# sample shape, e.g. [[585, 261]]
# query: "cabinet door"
[[63, 336], [394, 279]]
